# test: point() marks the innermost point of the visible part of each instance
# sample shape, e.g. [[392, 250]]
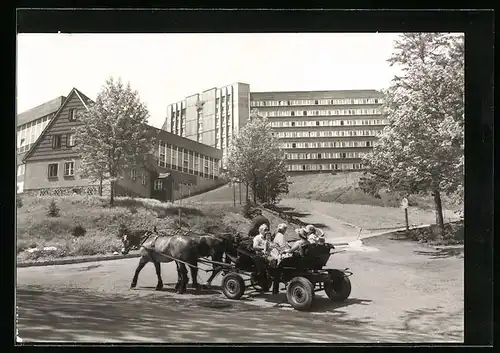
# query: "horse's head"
[[215, 245], [130, 240]]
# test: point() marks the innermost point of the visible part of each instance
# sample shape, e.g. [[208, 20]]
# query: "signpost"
[[404, 205]]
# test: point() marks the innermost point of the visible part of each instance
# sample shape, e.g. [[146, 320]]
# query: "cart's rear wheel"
[[233, 286], [299, 293], [339, 288]]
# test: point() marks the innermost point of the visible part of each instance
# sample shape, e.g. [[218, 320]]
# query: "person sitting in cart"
[[261, 246], [280, 239], [314, 235], [302, 233]]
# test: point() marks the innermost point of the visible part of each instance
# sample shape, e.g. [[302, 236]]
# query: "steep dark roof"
[[39, 111], [59, 110]]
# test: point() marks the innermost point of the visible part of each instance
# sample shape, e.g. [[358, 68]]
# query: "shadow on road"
[[436, 319], [170, 288], [443, 253], [84, 316]]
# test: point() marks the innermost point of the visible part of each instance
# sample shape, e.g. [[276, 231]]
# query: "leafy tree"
[[422, 148], [256, 159], [113, 135]]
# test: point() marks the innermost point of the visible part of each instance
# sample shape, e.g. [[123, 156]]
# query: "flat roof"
[[39, 111]]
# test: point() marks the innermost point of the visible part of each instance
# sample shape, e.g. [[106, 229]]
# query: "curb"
[[75, 260], [393, 231]]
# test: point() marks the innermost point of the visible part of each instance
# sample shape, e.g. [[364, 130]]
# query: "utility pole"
[[234, 193], [180, 204], [239, 183]]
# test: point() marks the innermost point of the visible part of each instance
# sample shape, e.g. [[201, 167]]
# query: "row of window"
[[57, 140], [328, 144], [326, 101], [27, 134], [68, 169], [331, 166], [321, 112], [133, 176], [324, 155], [170, 156], [223, 100], [337, 133], [306, 123]]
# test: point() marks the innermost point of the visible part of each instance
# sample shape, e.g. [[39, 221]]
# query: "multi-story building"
[[30, 125], [210, 117], [323, 130], [319, 130], [52, 166]]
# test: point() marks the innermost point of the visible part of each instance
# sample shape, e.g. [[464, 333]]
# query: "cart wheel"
[[260, 286], [299, 293], [233, 286], [339, 288]]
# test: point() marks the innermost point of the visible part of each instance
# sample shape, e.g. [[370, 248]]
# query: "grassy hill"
[[36, 229], [223, 194], [339, 188], [343, 188]]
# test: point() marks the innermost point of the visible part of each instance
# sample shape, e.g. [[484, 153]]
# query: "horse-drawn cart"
[[303, 275]]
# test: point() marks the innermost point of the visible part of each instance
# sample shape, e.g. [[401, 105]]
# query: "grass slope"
[[36, 229], [343, 188], [223, 194]]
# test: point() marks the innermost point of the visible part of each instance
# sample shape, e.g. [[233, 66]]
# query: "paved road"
[[401, 293]]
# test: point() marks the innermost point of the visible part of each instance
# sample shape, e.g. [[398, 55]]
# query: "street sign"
[[404, 203]]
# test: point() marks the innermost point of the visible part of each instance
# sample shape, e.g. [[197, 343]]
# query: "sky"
[[165, 68]]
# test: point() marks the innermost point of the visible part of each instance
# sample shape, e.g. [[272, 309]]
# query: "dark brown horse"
[[185, 249]]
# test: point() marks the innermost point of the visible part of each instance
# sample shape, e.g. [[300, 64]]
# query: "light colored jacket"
[[280, 240], [260, 243]]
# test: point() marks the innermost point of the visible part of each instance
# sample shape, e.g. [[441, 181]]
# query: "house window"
[[144, 179], [158, 184], [304, 112], [317, 123], [293, 123], [206, 160], [72, 114], [319, 155], [20, 169], [53, 170], [70, 140], [56, 141], [294, 145], [133, 174], [69, 168], [315, 102]]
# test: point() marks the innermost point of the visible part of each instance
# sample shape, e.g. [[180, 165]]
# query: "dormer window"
[[72, 114]]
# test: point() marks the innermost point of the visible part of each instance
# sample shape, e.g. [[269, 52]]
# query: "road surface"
[[401, 293]]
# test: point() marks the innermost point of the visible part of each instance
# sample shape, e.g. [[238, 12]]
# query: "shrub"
[[248, 210], [95, 244], [133, 210], [53, 210], [78, 231]]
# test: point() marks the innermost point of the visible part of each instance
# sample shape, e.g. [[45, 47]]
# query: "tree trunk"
[[246, 198], [100, 186], [112, 193], [254, 186], [439, 212]]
